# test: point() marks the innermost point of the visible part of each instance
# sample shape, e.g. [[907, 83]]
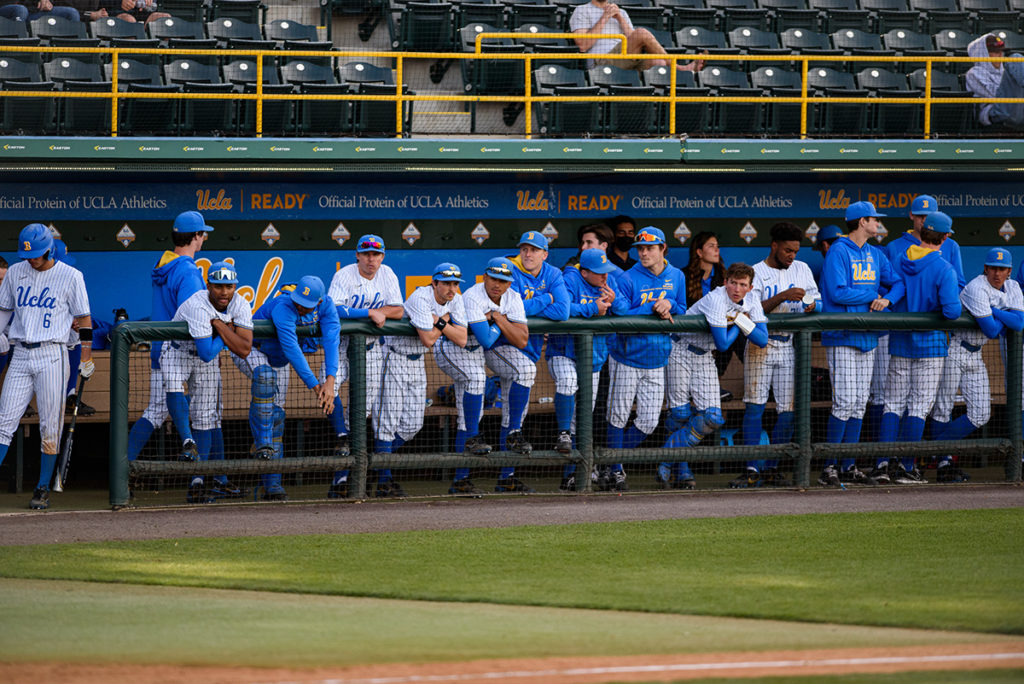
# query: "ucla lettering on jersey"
[[864, 273], [42, 300]]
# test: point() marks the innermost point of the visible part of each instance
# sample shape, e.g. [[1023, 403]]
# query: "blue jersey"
[[639, 289], [851, 279], [543, 295], [931, 287], [175, 278], [582, 297], [286, 347], [950, 251]]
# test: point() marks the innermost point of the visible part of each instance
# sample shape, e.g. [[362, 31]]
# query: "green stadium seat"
[[718, 77], [189, 10], [694, 38], [954, 120], [730, 4], [364, 72], [175, 27], [851, 39], [783, 4], [377, 117], [145, 44], [83, 116], [836, 20], [670, 4], [605, 76], [541, 60], [910, 44], [821, 79], [737, 118], [843, 119], [954, 43], [9, 28], [746, 37], [280, 30], [803, 19], [132, 72], [243, 71], [938, 15], [109, 28], [277, 114], [941, 80], [492, 14], [301, 71], [829, 5], [12, 69], [798, 40], [782, 119], [148, 116], [62, 68], [772, 77], [324, 117], [661, 78], [213, 117], [989, 21], [30, 115], [225, 29], [243, 10], [887, 20], [630, 118], [1014, 41], [686, 17], [523, 13], [491, 76], [874, 79], [901, 119], [180, 71], [48, 27], [654, 18], [285, 55], [736, 17]]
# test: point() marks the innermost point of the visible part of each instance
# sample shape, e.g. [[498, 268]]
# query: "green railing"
[[802, 450]]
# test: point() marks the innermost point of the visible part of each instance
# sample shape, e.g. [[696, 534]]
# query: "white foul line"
[[681, 667]]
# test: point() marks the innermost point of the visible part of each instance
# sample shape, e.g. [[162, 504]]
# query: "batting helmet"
[[35, 240], [60, 253]]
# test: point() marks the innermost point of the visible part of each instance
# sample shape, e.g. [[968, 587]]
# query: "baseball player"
[[921, 206], [592, 293], [5, 345], [217, 317], [917, 358], [303, 303], [652, 287], [176, 277], [40, 298], [496, 315], [366, 289], [856, 278], [435, 311], [60, 253], [730, 310], [824, 239], [783, 285], [996, 302], [544, 294]]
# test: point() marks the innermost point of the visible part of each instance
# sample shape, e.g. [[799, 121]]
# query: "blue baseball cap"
[[939, 222], [923, 204], [191, 222], [308, 292], [500, 268], [222, 273], [596, 260], [859, 210], [649, 235], [535, 239], [448, 273], [830, 232], [370, 243], [999, 257], [60, 253]]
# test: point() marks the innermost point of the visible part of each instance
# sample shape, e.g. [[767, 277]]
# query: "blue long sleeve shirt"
[[544, 295], [175, 278], [583, 298], [931, 287], [851, 279], [639, 289], [286, 347], [950, 251]]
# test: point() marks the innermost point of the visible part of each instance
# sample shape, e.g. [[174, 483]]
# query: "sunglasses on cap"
[[498, 270], [449, 273], [371, 244], [647, 237], [221, 275]]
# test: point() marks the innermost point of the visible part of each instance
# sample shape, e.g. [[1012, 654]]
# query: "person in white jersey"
[[41, 298]]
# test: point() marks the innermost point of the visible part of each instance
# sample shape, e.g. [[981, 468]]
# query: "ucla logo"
[[863, 273], [41, 301], [305, 291], [999, 256], [530, 236], [27, 247]]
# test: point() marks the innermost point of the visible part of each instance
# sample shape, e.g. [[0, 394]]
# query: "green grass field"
[[527, 591]]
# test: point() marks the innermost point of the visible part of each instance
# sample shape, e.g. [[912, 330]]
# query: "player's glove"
[[87, 368], [744, 323]]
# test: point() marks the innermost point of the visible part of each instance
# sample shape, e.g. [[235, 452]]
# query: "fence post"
[[584, 346], [802, 407], [1014, 369], [357, 413], [119, 385]]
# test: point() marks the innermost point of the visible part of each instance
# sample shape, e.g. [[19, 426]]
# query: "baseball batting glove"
[[86, 368]]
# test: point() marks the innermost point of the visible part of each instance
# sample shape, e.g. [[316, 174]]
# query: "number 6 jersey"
[[45, 303]]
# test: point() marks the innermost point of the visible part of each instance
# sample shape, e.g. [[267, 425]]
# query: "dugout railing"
[[402, 97], [802, 449]]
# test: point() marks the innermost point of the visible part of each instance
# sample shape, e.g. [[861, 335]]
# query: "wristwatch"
[[441, 323]]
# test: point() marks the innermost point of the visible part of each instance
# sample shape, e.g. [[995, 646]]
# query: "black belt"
[[33, 345], [970, 347], [411, 357], [473, 347], [779, 338], [193, 352], [696, 350], [369, 345], [676, 337]]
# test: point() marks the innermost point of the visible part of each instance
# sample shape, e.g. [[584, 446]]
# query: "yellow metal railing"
[[527, 99]]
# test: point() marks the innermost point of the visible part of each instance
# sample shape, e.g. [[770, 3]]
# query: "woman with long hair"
[[704, 272]]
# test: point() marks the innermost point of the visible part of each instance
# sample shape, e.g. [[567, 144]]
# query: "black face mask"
[[623, 243]]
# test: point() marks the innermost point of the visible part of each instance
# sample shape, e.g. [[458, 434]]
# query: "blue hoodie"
[[543, 295], [931, 287], [175, 279], [950, 251], [639, 289], [582, 297], [851, 279], [287, 347]]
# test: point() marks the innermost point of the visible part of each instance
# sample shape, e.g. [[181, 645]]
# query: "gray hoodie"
[[982, 78]]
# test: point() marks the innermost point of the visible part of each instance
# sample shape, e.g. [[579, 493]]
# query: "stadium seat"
[[530, 29], [144, 44], [629, 118], [491, 76], [746, 38], [63, 68], [194, 44], [902, 119], [425, 26], [938, 15], [29, 115], [285, 56], [377, 117], [910, 44], [1014, 41], [661, 78], [737, 118], [718, 77], [685, 17], [782, 119], [47, 27], [655, 18], [850, 39], [469, 32], [281, 30], [324, 117], [874, 79], [670, 4], [735, 17], [887, 20], [561, 118], [820, 79], [604, 77], [15, 70], [730, 4], [189, 10], [783, 4], [9, 28], [837, 20], [131, 72], [884, 5], [173, 27], [695, 38], [181, 71], [843, 119], [541, 50], [86, 116], [108, 28], [492, 14], [521, 13], [277, 114], [771, 77], [363, 72], [986, 21], [301, 71], [691, 117], [228, 28], [213, 117], [804, 19], [243, 71], [954, 119], [798, 40], [940, 80], [243, 10], [954, 43], [90, 43], [148, 116]]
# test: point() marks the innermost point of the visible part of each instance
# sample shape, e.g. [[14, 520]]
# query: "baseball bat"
[[65, 455]]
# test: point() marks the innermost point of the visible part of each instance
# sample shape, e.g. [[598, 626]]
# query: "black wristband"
[[85, 334], [441, 323]]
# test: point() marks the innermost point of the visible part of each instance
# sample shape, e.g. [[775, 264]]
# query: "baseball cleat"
[[338, 490], [197, 494], [750, 478], [618, 482], [465, 487], [40, 499], [83, 408], [951, 474], [829, 477], [341, 447], [275, 493], [517, 442], [189, 451], [509, 485], [225, 490], [564, 443], [771, 477], [685, 482], [477, 446], [389, 489], [568, 484], [904, 476], [262, 451], [880, 474], [854, 475]]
